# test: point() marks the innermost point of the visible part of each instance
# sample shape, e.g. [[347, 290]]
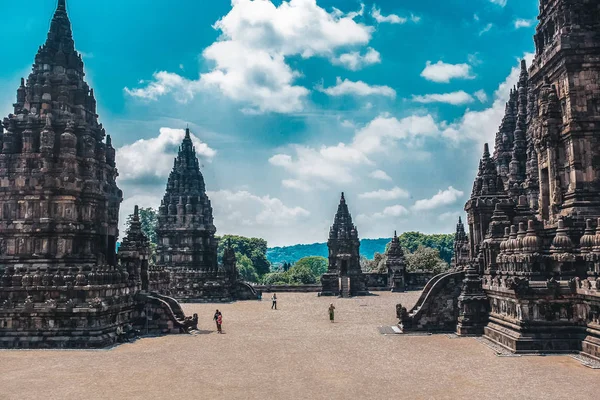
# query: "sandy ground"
[[294, 353]]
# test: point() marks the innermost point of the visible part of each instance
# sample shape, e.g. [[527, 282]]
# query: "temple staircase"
[[344, 286]]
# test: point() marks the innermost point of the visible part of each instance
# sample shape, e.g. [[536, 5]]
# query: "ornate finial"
[[459, 220], [342, 199], [22, 82], [136, 212], [395, 235], [486, 150], [108, 141], [62, 5], [187, 132]]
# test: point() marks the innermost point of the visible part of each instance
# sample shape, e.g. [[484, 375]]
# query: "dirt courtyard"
[[294, 353]]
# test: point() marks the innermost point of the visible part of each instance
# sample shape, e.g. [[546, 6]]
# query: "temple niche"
[[187, 246], [344, 276], [532, 281], [61, 283]]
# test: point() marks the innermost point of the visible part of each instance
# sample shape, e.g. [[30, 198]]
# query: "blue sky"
[[292, 102]]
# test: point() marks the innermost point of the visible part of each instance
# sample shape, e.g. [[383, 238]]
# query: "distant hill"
[[368, 247]]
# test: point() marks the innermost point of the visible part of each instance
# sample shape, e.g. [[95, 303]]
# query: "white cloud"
[[381, 175], [392, 18], [388, 212], [501, 3], [524, 23], [481, 96], [442, 72], [354, 60], [153, 158], [392, 194], [250, 56], [395, 211], [454, 98], [320, 167], [415, 18], [327, 164], [486, 29], [360, 88], [382, 133], [442, 198], [250, 209], [165, 82]]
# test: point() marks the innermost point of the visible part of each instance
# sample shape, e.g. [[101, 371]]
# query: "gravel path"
[[294, 353]]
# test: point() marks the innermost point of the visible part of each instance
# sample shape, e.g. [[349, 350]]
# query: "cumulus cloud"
[[383, 132], [249, 57], [481, 95], [250, 209], [381, 175], [388, 212], [392, 194], [454, 98], [524, 23], [148, 159], [501, 3], [354, 60], [442, 72], [327, 164], [359, 88], [337, 164], [392, 18], [442, 198]]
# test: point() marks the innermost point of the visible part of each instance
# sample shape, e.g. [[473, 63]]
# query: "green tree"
[[253, 248], [301, 275], [425, 259], [245, 268], [276, 278], [316, 265]]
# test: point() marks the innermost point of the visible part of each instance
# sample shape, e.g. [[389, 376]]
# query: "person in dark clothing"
[[218, 318], [274, 299]]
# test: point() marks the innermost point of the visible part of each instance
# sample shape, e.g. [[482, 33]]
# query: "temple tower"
[[565, 125], [61, 285], [396, 265], [344, 276], [185, 232], [59, 202]]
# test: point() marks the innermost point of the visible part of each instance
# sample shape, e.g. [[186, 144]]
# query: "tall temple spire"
[[343, 226], [517, 168], [487, 180]]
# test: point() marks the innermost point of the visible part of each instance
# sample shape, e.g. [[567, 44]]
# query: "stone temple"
[[344, 276], [187, 246], [532, 277], [61, 284]]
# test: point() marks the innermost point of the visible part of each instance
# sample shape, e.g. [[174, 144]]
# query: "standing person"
[[331, 312], [219, 323], [274, 299], [218, 318]]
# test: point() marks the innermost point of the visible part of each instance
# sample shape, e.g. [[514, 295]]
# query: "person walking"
[[218, 318], [274, 300], [331, 312]]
